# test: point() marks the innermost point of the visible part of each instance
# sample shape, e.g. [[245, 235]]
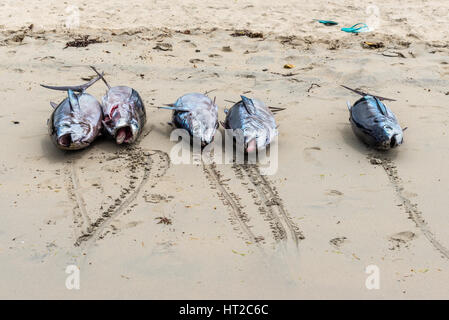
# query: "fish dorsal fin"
[[249, 105], [73, 100], [53, 105], [380, 106]]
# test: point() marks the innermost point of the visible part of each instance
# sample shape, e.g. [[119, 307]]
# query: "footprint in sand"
[[401, 239]]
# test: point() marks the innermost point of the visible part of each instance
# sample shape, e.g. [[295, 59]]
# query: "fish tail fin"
[[79, 88], [102, 77], [367, 94], [356, 91]]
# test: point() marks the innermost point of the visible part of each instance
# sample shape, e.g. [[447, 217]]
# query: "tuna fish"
[[124, 113], [76, 121], [374, 123], [255, 120], [196, 113]]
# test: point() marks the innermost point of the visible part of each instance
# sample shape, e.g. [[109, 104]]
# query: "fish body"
[[256, 122], [375, 124], [124, 114], [196, 113], [76, 121]]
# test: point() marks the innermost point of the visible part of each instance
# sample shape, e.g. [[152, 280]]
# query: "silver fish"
[[76, 121], [255, 120], [196, 113], [124, 113], [374, 123]]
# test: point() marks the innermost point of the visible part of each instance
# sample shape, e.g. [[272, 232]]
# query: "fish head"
[[204, 128], [255, 139], [389, 136], [258, 136], [72, 136], [121, 123]]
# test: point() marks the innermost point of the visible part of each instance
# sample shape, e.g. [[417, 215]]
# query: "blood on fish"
[[252, 146]]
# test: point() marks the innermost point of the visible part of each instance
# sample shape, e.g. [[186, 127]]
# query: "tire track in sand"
[[154, 163], [411, 208], [80, 216], [230, 200], [276, 228], [78, 194], [273, 204]]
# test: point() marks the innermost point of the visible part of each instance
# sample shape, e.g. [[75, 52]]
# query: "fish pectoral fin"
[[249, 105], [53, 105], [172, 107]]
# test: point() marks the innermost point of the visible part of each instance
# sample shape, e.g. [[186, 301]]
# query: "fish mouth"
[[65, 140], [206, 142], [389, 144], [124, 135], [394, 142], [252, 146]]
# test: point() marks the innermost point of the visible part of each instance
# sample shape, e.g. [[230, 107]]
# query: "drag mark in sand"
[[229, 199], [80, 216], [154, 164], [411, 208], [274, 207]]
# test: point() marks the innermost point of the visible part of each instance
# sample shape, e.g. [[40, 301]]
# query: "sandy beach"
[[332, 209]]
